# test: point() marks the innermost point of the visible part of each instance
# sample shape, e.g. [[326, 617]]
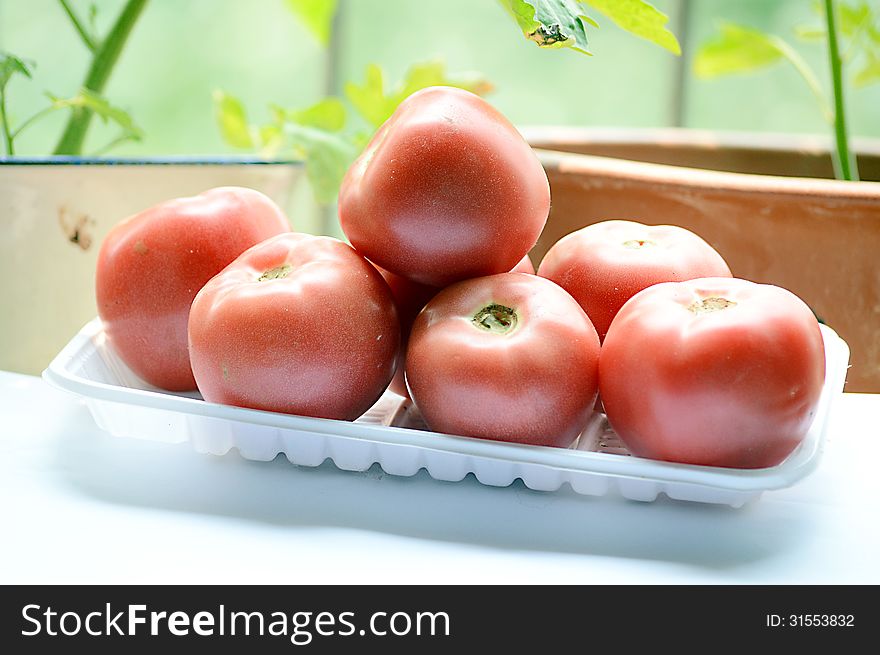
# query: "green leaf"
[[278, 114], [376, 106], [433, 73], [314, 135], [810, 33], [271, 139], [232, 120], [369, 98], [360, 139], [327, 114], [640, 18], [11, 65], [737, 49], [551, 23], [87, 99], [870, 71], [317, 15], [741, 49], [327, 157], [854, 17]]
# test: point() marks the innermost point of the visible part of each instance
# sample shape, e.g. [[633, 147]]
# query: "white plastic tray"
[[391, 433]]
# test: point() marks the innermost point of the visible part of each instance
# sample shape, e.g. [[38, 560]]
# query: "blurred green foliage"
[[740, 49], [316, 15], [316, 134], [263, 54], [259, 51], [88, 102]]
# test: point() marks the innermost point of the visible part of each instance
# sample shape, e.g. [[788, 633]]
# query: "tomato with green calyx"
[[410, 297], [510, 357], [605, 264], [717, 372], [297, 324]]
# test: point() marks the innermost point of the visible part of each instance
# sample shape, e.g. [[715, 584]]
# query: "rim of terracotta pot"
[[694, 138], [683, 176]]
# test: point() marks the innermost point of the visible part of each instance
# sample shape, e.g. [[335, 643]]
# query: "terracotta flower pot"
[[758, 199]]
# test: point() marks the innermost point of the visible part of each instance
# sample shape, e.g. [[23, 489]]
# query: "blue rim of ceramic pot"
[[182, 160]]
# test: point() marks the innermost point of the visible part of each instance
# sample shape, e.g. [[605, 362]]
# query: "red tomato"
[[297, 324], [509, 357], [605, 264], [410, 297], [151, 266], [446, 190], [717, 371], [524, 266]]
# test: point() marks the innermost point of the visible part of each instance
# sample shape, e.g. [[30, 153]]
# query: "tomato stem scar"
[[495, 318], [638, 243], [276, 273], [713, 304]]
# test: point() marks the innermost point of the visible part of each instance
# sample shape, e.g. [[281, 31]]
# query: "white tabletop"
[[81, 506]]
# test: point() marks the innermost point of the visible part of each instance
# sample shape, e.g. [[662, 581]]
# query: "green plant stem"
[[87, 38], [43, 112], [845, 167], [7, 135], [71, 142]]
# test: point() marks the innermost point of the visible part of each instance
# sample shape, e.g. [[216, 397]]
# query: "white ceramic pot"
[[55, 213]]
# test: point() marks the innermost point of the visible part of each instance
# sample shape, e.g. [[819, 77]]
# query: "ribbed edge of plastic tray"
[[392, 434]]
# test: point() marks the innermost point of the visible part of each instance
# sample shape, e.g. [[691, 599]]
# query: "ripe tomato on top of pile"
[[446, 190]]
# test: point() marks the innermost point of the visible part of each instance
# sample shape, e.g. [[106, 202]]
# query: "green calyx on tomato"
[[496, 318], [708, 305], [276, 273]]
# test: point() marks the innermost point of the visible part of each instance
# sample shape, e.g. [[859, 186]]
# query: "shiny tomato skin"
[[151, 266], [297, 324], [686, 379], [524, 266], [410, 297], [605, 264], [446, 190], [535, 384]]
